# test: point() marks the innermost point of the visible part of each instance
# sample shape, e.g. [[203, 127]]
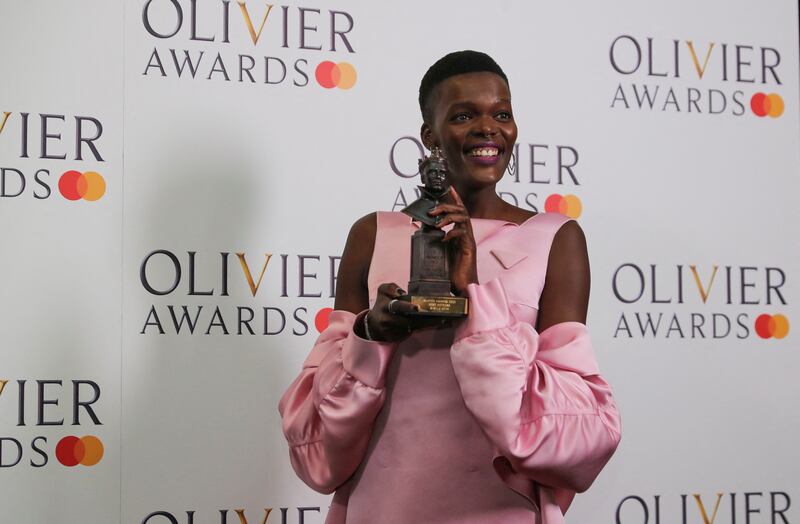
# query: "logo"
[[75, 185], [767, 105], [86, 451], [167, 517], [244, 299], [772, 326], [51, 141], [690, 301], [258, 43], [341, 75], [568, 205], [690, 77], [57, 404], [720, 508], [545, 165]]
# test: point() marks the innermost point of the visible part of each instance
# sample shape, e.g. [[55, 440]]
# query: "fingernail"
[[400, 291]]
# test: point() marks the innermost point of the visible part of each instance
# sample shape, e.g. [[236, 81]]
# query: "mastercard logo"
[[767, 105], [75, 185], [772, 326], [568, 205], [86, 451], [341, 75], [322, 319]]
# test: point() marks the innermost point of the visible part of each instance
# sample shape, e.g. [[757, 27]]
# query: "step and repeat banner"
[[178, 177]]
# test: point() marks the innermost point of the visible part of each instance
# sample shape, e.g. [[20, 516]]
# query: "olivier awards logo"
[[248, 42], [533, 171], [44, 142], [749, 507], [686, 76], [233, 302], [188, 516], [689, 301], [37, 436]]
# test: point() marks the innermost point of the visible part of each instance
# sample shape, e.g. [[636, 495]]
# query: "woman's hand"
[[387, 319], [462, 250]]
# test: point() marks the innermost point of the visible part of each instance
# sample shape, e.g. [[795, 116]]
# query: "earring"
[[511, 168]]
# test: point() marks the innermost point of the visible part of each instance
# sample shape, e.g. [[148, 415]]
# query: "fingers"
[[391, 290], [400, 307], [447, 208], [454, 233], [391, 318], [454, 214], [456, 198], [451, 214], [453, 219], [389, 300], [456, 207]]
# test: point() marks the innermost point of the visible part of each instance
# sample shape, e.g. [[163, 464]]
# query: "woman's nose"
[[485, 126]]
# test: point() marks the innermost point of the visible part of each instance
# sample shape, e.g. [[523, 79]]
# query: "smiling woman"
[[501, 417]]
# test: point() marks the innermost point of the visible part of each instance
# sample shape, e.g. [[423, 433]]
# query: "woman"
[[500, 417]]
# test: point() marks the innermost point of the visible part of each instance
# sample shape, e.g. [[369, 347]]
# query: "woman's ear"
[[426, 135]]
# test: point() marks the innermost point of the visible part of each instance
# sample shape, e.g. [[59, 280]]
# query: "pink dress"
[[484, 422]]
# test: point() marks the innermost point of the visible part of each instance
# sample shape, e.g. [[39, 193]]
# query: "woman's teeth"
[[484, 151]]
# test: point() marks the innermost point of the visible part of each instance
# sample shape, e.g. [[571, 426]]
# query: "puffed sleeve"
[[328, 411], [539, 397]]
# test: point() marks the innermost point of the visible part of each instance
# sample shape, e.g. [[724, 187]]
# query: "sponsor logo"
[[238, 516], [690, 77], [58, 403], [248, 42], [690, 301], [533, 169], [243, 297], [75, 185], [568, 205], [772, 326], [750, 507], [86, 451], [330, 75], [767, 105], [44, 143]]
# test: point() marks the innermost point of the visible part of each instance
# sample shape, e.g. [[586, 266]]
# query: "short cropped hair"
[[452, 64]]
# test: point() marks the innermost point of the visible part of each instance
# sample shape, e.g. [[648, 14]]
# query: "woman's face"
[[471, 120]]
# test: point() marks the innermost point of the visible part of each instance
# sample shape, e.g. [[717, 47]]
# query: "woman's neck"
[[483, 202]]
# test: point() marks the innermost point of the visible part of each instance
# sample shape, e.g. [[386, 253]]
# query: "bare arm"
[[352, 292], [565, 296]]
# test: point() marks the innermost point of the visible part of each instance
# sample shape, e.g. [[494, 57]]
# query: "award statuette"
[[430, 287]]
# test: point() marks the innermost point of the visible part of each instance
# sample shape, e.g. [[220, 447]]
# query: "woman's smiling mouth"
[[486, 153]]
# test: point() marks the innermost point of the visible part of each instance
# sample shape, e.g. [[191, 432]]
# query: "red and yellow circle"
[[772, 326], [322, 319], [87, 451], [568, 205], [75, 185], [341, 75], [767, 105]]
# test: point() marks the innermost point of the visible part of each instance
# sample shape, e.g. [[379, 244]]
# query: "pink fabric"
[[475, 410], [539, 398], [328, 410]]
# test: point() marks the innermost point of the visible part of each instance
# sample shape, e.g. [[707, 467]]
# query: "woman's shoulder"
[[365, 226], [566, 234]]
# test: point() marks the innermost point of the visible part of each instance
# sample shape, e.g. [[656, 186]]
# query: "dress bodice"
[[428, 459]]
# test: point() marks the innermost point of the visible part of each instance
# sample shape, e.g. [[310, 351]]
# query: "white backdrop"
[[228, 164]]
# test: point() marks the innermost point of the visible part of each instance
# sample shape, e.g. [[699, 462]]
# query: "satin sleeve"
[[539, 397], [328, 411]]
